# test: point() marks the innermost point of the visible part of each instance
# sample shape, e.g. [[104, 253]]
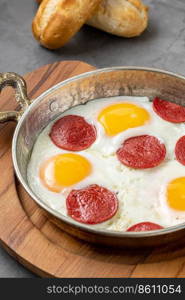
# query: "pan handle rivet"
[[53, 106]]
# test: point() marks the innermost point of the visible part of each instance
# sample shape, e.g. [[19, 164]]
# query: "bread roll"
[[58, 20], [125, 18]]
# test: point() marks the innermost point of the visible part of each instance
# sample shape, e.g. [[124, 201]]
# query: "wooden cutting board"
[[34, 241]]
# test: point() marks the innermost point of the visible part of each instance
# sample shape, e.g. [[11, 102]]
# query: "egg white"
[[141, 193]]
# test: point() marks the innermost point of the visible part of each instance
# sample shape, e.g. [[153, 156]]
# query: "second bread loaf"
[[126, 18]]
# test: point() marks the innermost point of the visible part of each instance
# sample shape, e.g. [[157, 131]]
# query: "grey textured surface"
[[162, 46]]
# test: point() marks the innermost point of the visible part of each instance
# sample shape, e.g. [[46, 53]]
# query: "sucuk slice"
[[72, 133], [168, 111], [180, 150], [141, 152], [92, 205], [144, 226]]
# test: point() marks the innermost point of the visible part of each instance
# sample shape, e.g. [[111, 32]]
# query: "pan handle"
[[19, 84]]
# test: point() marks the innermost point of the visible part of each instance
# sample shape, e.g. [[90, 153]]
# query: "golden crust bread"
[[58, 20], [126, 18]]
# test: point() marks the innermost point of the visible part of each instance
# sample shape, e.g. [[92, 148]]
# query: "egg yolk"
[[176, 194], [64, 170], [122, 116]]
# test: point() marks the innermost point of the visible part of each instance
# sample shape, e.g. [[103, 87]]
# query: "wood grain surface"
[[27, 234]]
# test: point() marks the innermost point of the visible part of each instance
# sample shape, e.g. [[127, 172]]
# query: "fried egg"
[[64, 170], [143, 195]]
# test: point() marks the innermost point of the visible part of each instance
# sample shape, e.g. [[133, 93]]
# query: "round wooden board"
[[27, 234]]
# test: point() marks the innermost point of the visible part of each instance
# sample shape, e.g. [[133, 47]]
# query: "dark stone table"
[[162, 46]]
